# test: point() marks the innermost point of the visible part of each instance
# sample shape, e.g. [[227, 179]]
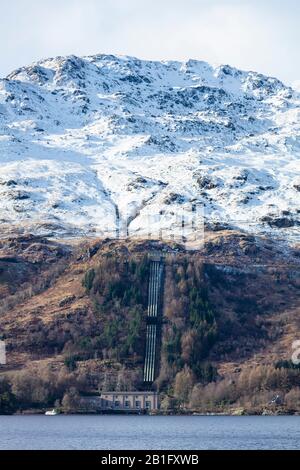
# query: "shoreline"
[[161, 413]]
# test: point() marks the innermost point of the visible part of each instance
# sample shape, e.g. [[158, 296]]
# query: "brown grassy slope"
[[253, 285]]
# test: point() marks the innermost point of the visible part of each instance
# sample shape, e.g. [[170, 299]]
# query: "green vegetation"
[[88, 279], [213, 315], [7, 398], [118, 289], [252, 390], [191, 329], [39, 386]]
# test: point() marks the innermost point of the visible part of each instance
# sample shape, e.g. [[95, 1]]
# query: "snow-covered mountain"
[[108, 144]]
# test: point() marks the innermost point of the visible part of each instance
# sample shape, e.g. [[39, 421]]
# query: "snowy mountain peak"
[[105, 143]]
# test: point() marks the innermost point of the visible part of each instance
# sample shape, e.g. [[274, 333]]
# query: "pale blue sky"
[[262, 35]]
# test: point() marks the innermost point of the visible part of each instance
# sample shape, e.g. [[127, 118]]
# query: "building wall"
[[129, 401]]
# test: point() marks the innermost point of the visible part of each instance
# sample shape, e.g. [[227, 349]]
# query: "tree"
[[184, 382], [7, 398], [34, 385], [292, 398], [88, 279], [189, 346], [57, 404], [71, 401]]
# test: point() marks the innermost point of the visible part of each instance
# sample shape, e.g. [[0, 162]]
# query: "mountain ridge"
[[99, 144]]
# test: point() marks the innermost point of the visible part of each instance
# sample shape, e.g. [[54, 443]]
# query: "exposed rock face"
[[280, 222], [94, 143]]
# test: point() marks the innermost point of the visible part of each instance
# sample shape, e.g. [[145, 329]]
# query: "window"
[[137, 404], [117, 404], [148, 405], [127, 404]]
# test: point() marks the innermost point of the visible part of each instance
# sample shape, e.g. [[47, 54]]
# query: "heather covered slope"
[[231, 311], [107, 144]]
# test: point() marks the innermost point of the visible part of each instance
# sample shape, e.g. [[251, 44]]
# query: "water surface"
[[149, 432]]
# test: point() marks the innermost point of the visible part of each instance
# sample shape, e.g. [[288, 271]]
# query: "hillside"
[[107, 162], [73, 317], [109, 145]]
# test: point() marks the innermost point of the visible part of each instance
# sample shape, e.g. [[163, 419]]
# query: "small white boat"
[[52, 413]]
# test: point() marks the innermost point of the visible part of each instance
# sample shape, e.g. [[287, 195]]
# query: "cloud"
[[262, 36]]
